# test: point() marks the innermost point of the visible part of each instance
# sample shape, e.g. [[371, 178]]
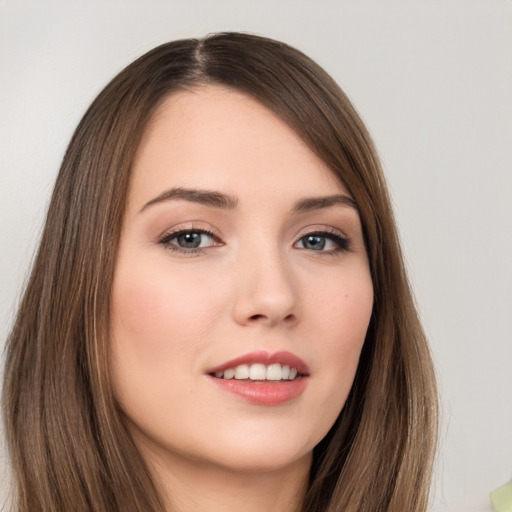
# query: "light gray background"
[[433, 81]]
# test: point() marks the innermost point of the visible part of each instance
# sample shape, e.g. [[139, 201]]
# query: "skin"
[[257, 284]]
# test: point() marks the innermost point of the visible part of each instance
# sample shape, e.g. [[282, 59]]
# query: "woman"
[[218, 316]]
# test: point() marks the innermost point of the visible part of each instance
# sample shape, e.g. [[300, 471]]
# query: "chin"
[[255, 459], [262, 449]]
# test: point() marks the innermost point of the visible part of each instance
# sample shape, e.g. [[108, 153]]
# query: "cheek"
[[159, 328], [344, 313], [150, 308], [355, 310], [344, 308], [160, 323]]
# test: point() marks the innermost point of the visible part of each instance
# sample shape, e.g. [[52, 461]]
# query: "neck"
[[191, 487]]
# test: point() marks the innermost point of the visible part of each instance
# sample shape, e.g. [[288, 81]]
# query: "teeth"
[[274, 372], [259, 371], [242, 372], [229, 373]]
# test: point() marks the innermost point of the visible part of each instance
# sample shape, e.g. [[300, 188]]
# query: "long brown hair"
[[69, 447]]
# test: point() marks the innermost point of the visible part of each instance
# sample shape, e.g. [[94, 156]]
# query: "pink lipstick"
[[262, 378]]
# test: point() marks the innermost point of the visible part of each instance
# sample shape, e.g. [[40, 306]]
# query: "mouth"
[[260, 378], [259, 372]]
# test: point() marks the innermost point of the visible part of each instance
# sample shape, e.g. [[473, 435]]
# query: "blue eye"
[[188, 240], [314, 242], [324, 242]]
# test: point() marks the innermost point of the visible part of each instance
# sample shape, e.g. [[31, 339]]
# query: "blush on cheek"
[[153, 313], [141, 321]]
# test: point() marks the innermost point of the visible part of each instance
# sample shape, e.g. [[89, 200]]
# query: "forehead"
[[221, 139]]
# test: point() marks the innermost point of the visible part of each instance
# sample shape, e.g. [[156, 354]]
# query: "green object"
[[501, 498]]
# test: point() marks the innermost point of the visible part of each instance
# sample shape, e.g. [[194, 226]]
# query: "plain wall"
[[432, 80]]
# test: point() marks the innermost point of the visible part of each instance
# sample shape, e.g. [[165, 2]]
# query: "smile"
[[261, 378], [259, 372]]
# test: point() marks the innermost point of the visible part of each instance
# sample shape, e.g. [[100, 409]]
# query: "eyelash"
[[165, 241], [343, 243]]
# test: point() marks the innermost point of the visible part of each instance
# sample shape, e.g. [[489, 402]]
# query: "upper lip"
[[282, 357]]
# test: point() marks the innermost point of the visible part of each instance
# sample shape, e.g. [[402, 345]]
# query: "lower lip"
[[266, 393]]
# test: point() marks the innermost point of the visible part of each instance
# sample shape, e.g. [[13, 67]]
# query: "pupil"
[[314, 242], [189, 240]]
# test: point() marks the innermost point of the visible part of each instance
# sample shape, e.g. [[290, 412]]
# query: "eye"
[[323, 242], [189, 240]]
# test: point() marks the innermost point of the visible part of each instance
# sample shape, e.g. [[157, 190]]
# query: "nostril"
[[257, 317], [289, 318]]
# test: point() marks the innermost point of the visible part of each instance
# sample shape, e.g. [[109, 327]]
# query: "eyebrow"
[[228, 202], [206, 197], [316, 203]]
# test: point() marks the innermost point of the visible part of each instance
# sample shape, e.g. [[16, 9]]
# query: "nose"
[[266, 291]]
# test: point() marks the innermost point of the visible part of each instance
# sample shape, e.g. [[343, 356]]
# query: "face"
[[242, 292]]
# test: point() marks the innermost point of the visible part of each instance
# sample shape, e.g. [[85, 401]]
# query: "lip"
[[264, 393], [261, 356], [267, 393]]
